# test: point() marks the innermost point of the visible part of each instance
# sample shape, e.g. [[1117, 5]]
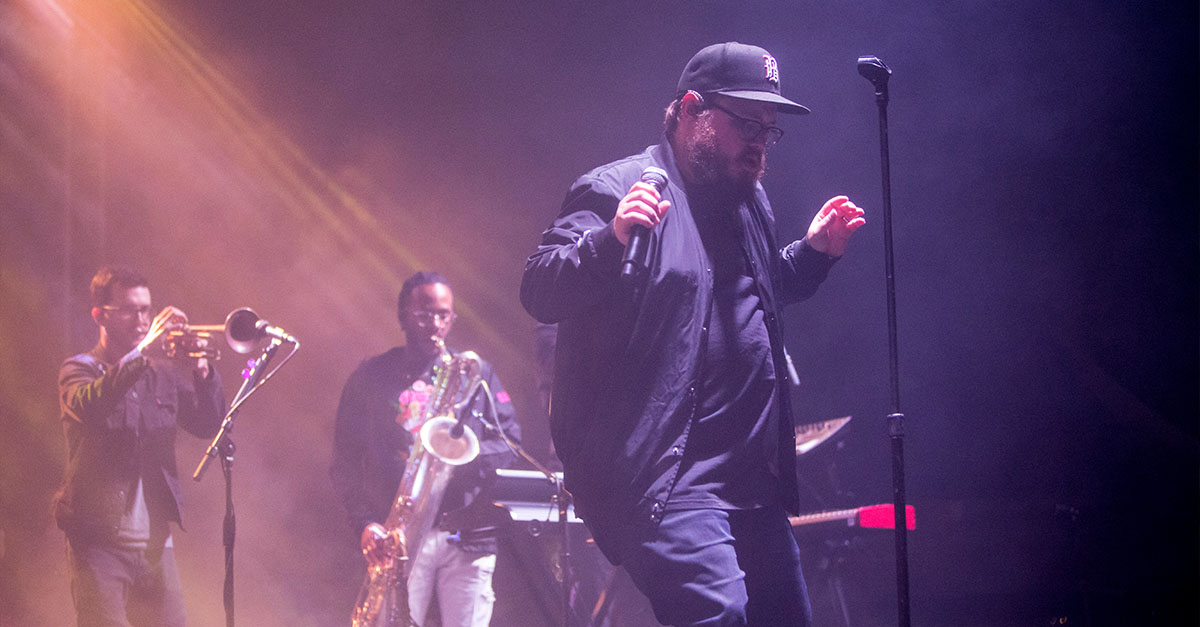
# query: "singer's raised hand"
[[642, 206], [831, 228]]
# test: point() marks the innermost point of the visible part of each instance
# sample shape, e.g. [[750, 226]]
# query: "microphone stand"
[[222, 446], [878, 73], [561, 498]]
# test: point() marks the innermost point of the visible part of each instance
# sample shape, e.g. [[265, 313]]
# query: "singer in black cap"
[[670, 409]]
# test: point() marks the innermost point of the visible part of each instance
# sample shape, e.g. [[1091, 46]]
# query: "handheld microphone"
[[634, 261]]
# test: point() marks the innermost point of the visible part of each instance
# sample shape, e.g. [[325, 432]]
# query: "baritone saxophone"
[[437, 449]]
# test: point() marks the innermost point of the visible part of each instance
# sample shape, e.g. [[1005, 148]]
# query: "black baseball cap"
[[738, 71]]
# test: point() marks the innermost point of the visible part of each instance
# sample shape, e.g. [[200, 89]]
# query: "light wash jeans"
[[461, 579]]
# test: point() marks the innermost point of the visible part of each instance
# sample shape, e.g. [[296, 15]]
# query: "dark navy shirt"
[[733, 443]]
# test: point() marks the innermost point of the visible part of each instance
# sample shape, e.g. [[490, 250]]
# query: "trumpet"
[[194, 341], [191, 342]]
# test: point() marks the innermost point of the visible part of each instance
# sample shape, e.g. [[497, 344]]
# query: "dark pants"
[[109, 584], [723, 568]]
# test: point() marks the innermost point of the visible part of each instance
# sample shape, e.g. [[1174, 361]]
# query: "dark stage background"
[[304, 157]]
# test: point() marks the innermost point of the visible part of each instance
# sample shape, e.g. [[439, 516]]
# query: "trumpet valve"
[[190, 344]]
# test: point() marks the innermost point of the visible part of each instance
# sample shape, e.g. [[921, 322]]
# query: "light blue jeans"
[[462, 580]]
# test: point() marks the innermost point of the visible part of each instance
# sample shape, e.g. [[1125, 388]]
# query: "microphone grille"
[[656, 177]]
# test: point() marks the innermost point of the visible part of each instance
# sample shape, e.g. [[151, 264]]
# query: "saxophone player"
[[382, 407]]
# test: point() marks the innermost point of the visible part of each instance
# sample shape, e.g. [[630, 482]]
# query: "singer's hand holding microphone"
[[638, 212], [642, 206]]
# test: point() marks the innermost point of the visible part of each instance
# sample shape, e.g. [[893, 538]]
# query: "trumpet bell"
[[241, 330]]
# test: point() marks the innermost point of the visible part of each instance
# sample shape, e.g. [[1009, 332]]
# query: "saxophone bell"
[[450, 441]]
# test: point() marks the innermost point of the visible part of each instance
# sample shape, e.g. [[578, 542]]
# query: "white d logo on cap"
[[772, 68]]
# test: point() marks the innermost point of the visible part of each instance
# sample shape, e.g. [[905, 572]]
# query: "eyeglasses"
[[428, 317], [750, 130], [129, 311]]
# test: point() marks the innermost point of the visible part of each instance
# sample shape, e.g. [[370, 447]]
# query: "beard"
[[715, 174]]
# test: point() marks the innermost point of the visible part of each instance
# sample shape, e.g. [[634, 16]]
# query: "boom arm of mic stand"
[[561, 496], [249, 385], [492, 423]]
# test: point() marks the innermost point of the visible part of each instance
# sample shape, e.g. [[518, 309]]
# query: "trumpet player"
[[120, 492], [381, 409]]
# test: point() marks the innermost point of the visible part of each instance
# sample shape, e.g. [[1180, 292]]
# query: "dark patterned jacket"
[[120, 424]]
